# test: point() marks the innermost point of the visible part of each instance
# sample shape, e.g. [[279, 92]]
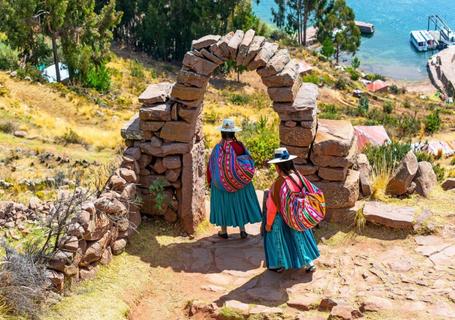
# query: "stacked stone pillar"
[[166, 133]]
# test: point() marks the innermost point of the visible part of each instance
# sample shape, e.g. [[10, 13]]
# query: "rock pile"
[[164, 138], [15, 215], [412, 176], [99, 230]]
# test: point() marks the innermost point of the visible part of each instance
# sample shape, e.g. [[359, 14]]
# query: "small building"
[[50, 74], [377, 86], [370, 135]]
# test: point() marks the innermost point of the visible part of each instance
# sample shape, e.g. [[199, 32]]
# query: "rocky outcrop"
[[388, 215]]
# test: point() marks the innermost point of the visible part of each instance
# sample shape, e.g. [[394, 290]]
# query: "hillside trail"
[[387, 274]]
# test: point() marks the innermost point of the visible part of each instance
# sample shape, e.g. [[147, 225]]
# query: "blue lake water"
[[389, 52]]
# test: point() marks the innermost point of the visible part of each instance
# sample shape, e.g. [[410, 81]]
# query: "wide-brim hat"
[[281, 155], [229, 126]]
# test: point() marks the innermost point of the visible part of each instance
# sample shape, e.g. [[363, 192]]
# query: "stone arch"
[[165, 137]]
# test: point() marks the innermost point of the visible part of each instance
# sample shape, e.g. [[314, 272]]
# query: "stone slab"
[[244, 46], [253, 49], [393, 216], [131, 130], [205, 41], [179, 131], [333, 138], [341, 194], [297, 137], [155, 93], [198, 64], [263, 56], [276, 64], [159, 112]]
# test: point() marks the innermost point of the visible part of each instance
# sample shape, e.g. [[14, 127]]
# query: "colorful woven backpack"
[[303, 209], [230, 172]]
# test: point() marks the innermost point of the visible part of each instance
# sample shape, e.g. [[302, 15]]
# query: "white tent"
[[50, 75]]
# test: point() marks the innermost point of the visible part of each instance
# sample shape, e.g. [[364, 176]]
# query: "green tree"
[[355, 63], [336, 22], [327, 49], [293, 16]]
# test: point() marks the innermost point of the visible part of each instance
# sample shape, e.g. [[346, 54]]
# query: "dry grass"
[[379, 185]]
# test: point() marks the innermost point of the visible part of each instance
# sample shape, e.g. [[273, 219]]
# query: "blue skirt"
[[287, 248], [234, 209]]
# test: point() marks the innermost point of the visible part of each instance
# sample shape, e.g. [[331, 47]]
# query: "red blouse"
[[239, 150]]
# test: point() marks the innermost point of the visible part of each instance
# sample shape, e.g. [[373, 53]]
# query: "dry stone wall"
[[165, 137]]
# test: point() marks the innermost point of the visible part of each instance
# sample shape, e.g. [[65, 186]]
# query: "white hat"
[[229, 126], [281, 155]]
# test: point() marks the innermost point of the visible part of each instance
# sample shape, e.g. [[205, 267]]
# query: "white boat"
[[418, 40]]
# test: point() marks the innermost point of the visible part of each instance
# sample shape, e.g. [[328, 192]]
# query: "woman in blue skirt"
[[286, 248], [233, 200]]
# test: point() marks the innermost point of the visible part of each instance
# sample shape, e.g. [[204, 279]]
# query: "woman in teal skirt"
[[233, 200], [286, 248]]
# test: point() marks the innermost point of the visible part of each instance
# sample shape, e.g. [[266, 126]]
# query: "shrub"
[[452, 162], [71, 137], [341, 83], [260, 138], [23, 282], [386, 157], [31, 72], [355, 63], [424, 156], [137, 70], [408, 126], [8, 57], [433, 122], [387, 107], [355, 75], [311, 78], [364, 104], [407, 104], [239, 99], [394, 89], [99, 78], [440, 172], [329, 111], [8, 127], [374, 76]]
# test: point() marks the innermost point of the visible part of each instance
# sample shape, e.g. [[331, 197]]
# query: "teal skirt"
[[234, 209], [287, 248]]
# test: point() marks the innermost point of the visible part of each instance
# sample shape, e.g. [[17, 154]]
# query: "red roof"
[[377, 85]]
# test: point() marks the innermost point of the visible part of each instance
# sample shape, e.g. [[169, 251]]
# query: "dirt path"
[[389, 273]]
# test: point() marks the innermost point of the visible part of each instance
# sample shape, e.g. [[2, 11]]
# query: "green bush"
[[374, 76], [452, 162], [386, 157], [31, 72], [260, 138], [355, 75], [433, 122], [71, 137], [8, 57], [329, 111], [363, 106], [424, 156], [440, 172], [137, 70], [387, 107], [99, 78], [239, 99], [341, 83], [355, 63], [408, 126], [8, 126], [311, 78]]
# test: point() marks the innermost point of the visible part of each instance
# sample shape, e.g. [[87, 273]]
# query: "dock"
[[365, 27]]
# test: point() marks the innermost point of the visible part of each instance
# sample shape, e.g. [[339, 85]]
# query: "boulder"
[[106, 258], [131, 129], [173, 175], [155, 93], [34, 203], [129, 193], [117, 183], [118, 246], [160, 112], [276, 64], [306, 169], [190, 78], [333, 138], [341, 194], [332, 174], [183, 92], [244, 46], [375, 304], [57, 279], [128, 175], [199, 65], [133, 153], [110, 206], [96, 228], [284, 94], [151, 125], [234, 43], [263, 56], [69, 243], [393, 216], [172, 162], [253, 50], [300, 152], [205, 41], [285, 78], [297, 137], [87, 274], [342, 312], [449, 184], [159, 167], [403, 175], [179, 131], [425, 179]]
